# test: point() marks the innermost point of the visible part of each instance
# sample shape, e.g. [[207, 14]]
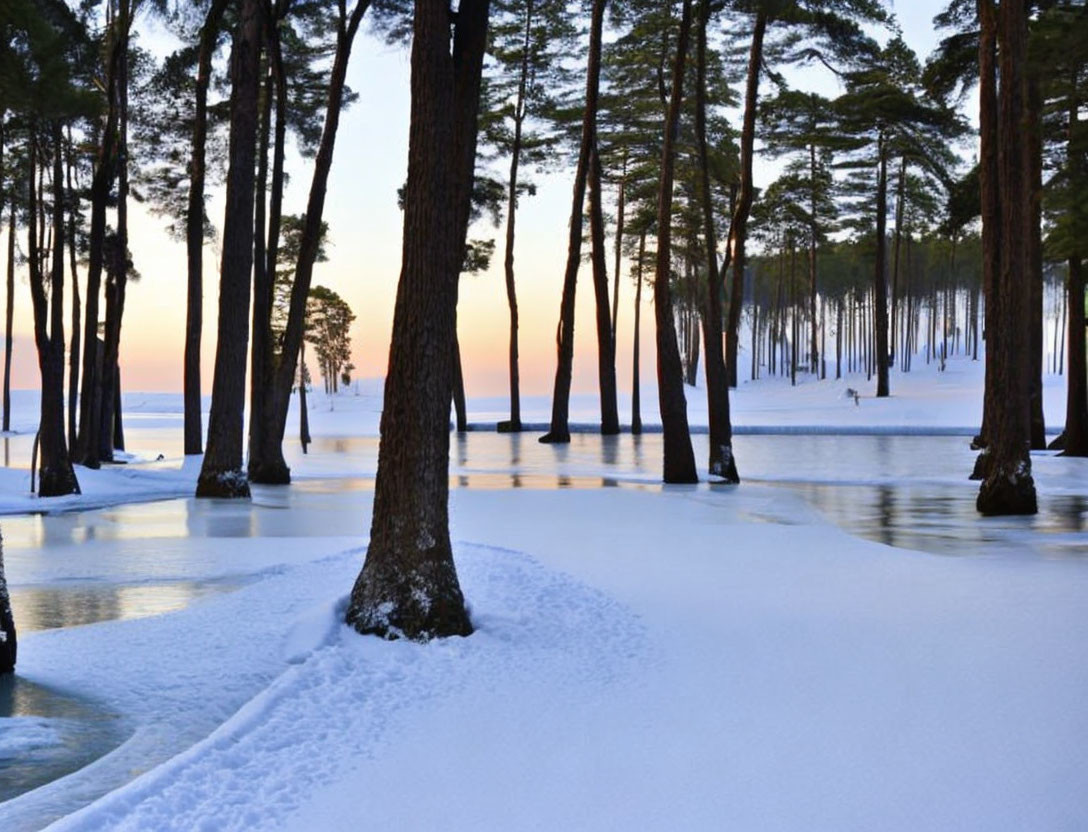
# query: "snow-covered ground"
[[645, 657]]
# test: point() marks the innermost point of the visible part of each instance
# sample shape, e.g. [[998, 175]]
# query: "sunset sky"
[[364, 258]]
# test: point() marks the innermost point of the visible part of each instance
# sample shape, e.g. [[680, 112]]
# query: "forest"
[[898, 219]]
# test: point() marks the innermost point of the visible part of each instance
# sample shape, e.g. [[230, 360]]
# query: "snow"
[[645, 657]]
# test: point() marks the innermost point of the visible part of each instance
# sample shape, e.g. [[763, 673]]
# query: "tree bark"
[[721, 462], [991, 217], [679, 463], [559, 431], [880, 285], [74, 353], [194, 233], [636, 397], [221, 474], [1076, 404], [408, 585], [1033, 147], [513, 425], [56, 477], [269, 454], [9, 316], [738, 229], [606, 356], [1008, 487]]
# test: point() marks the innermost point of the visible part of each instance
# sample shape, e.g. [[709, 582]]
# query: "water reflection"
[[45, 734], [68, 605]]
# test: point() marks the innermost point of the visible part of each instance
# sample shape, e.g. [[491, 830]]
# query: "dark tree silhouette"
[[408, 585]]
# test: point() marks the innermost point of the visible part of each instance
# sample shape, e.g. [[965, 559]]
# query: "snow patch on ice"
[[21, 734]]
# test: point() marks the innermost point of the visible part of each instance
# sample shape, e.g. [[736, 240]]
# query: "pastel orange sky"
[[364, 260]]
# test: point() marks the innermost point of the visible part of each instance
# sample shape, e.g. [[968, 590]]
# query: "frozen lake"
[[133, 560]]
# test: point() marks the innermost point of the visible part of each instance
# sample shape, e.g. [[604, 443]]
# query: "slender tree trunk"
[[636, 409], [9, 316], [880, 286], [270, 454], [221, 474], [899, 196], [74, 353], [90, 402], [621, 204], [194, 232], [513, 425], [606, 356], [56, 477], [559, 431], [408, 585], [721, 462], [1008, 487], [813, 240], [679, 464], [738, 229], [1076, 404], [459, 407], [303, 411], [991, 217]]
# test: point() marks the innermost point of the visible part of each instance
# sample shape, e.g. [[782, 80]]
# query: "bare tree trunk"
[[679, 466], [459, 407], [194, 232], [621, 203], [74, 353], [221, 475], [1076, 404], [880, 286], [1008, 487], [9, 317], [899, 196], [408, 586], [606, 356], [559, 430], [636, 409], [1033, 122], [738, 229]]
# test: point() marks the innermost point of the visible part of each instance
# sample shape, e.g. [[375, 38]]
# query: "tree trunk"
[[679, 465], [269, 456], [991, 216], [8, 639], [513, 425], [1076, 405], [221, 474], [408, 586], [738, 229], [606, 356], [1008, 487], [194, 233], [90, 402], [813, 232], [56, 477], [1033, 143], [636, 409], [880, 286], [621, 204], [559, 430], [9, 316], [721, 462], [460, 409], [899, 189], [74, 353]]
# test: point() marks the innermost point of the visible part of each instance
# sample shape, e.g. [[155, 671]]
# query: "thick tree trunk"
[[1033, 145], [880, 285], [1008, 487], [221, 474], [679, 463], [1076, 405], [738, 229], [721, 462], [559, 431], [8, 639], [194, 232], [408, 586]]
